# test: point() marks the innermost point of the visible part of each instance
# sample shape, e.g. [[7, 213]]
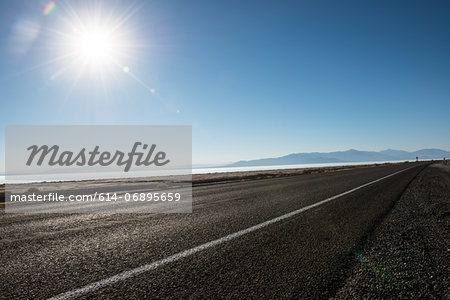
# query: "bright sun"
[[94, 44], [95, 48], [94, 40]]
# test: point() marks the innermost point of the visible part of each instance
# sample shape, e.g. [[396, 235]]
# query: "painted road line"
[[159, 263]]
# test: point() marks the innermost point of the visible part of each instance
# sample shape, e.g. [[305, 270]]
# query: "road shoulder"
[[407, 256]]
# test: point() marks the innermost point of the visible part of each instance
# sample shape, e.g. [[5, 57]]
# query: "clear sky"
[[254, 78]]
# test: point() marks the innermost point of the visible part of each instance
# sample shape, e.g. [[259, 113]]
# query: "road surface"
[[266, 238]]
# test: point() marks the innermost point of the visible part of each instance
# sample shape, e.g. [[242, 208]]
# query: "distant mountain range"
[[344, 156]]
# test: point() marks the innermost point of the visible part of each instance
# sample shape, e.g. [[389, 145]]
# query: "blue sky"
[[254, 78]]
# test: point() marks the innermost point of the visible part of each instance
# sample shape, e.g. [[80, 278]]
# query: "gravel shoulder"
[[408, 255]]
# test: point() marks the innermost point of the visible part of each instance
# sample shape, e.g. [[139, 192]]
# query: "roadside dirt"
[[408, 255]]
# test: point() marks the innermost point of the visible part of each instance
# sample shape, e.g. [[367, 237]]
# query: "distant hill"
[[344, 156]]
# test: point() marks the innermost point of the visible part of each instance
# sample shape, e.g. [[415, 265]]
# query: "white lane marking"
[[154, 265]]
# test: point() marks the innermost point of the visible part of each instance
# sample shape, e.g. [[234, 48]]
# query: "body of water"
[[280, 167]]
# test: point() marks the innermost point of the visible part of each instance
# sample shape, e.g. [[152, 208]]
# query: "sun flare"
[[92, 45], [93, 42]]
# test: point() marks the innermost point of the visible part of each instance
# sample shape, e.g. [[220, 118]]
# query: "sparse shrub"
[[161, 185], [33, 190]]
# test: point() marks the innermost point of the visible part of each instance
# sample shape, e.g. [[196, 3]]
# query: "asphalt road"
[[309, 254]]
